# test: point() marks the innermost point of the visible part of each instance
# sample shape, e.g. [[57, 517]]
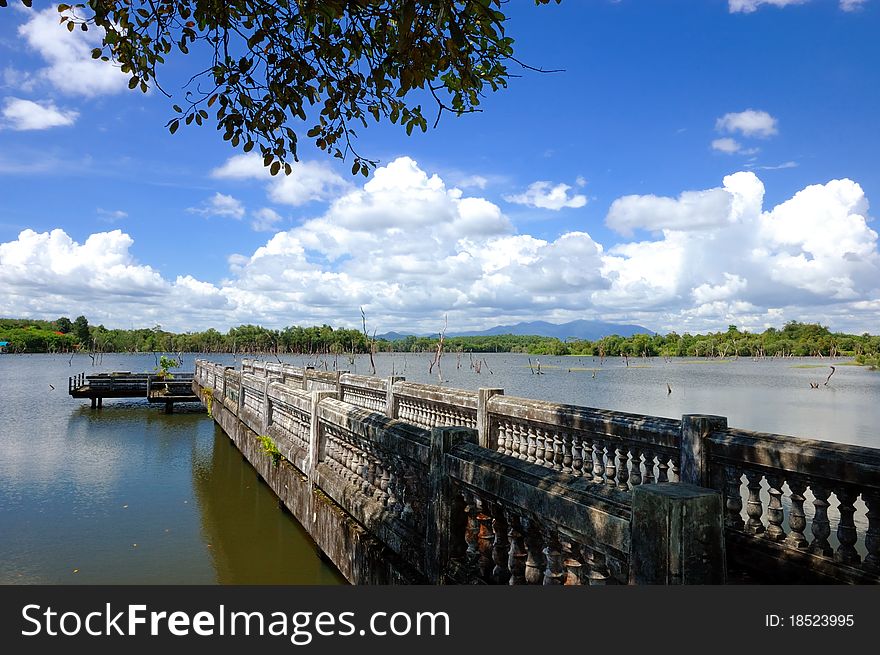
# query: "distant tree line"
[[64, 335], [794, 339]]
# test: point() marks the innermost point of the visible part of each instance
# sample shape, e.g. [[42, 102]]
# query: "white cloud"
[[111, 215], [266, 220], [692, 210], [17, 79], [727, 145], [21, 114], [748, 6], [410, 249], [544, 195], [472, 182], [732, 286], [307, 182], [814, 250], [750, 122], [220, 205], [70, 68], [778, 167]]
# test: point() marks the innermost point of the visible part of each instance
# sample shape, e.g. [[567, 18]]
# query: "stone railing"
[[364, 391], [521, 524], [539, 491], [811, 510], [439, 506], [611, 448], [429, 406]]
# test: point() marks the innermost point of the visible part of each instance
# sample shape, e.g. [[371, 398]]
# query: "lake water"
[[128, 494]]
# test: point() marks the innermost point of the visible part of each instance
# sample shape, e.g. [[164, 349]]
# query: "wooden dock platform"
[[124, 384]]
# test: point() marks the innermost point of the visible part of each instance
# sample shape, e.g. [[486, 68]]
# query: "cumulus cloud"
[[546, 195], [812, 251], [690, 211], [220, 205], [308, 181], [70, 67], [750, 122], [21, 115], [749, 6], [410, 249]]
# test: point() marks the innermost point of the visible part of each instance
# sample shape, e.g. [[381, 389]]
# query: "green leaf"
[[276, 166], [173, 127]]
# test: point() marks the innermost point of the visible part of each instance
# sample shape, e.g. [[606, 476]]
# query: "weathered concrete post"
[[316, 438], [695, 429], [391, 403], [267, 402], [446, 517], [483, 395], [305, 380], [677, 535], [240, 403], [226, 369]]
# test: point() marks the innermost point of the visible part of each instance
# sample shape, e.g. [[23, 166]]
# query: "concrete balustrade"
[[400, 482]]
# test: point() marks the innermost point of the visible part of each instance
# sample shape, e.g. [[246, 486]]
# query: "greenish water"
[[129, 495]]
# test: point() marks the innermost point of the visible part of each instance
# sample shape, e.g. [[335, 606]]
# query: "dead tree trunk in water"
[[439, 352], [370, 342]]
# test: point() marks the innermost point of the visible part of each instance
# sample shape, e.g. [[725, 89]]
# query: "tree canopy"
[[271, 70]]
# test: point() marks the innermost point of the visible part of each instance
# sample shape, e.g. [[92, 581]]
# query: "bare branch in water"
[[370, 342], [829, 376]]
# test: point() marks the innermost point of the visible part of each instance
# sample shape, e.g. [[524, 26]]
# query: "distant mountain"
[[394, 336], [580, 329]]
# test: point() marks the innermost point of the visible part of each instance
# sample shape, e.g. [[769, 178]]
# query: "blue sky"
[[697, 164]]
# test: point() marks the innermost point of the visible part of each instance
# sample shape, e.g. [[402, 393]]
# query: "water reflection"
[[250, 539], [117, 495]]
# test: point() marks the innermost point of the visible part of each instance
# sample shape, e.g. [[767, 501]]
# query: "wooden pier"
[[124, 384]]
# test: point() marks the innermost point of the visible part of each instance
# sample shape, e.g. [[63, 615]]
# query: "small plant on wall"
[[208, 397], [271, 449]]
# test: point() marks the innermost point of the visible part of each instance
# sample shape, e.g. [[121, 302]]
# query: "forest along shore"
[[793, 339]]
